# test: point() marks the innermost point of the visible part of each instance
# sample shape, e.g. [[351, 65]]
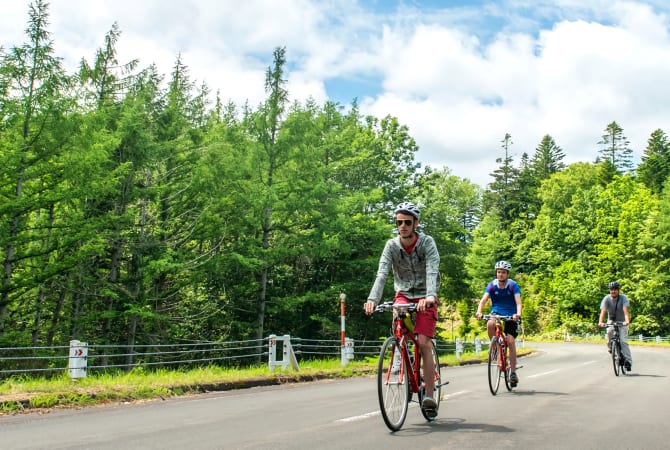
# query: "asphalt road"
[[567, 398]]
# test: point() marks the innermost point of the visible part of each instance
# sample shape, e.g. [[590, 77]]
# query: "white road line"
[[454, 394], [558, 370], [543, 373], [376, 413], [356, 418]]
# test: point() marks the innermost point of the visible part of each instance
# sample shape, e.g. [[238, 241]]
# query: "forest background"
[[138, 209]]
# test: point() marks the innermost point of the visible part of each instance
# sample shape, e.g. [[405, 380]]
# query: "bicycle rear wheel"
[[616, 357], [392, 385], [494, 367], [437, 394]]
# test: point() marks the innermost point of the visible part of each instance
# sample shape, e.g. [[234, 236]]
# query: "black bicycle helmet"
[[614, 285], [408, 208]]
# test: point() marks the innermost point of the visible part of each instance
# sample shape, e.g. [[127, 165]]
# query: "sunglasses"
[[407, 222]]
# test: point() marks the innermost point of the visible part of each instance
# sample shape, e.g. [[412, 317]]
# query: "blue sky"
[[459, 74]]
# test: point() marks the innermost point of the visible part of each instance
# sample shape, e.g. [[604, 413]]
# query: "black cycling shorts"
[[511, 328]]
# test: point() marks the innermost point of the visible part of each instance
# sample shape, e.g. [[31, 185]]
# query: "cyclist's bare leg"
[[491, 328], [511, 345], [427, 361]]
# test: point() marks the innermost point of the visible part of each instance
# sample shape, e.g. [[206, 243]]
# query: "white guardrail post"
[[344, 357], [288, 355], [348, 349], [459, 348], [77, 362]]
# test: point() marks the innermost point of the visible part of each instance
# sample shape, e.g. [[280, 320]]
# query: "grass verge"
[[24, 394]]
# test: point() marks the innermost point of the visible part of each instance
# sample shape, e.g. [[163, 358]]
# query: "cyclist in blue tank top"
[[505, 295]]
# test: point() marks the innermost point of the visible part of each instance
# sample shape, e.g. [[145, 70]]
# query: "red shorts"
[[425, 320]]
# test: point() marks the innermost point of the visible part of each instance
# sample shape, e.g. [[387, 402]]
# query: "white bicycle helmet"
[[408, 208], [503, 265]]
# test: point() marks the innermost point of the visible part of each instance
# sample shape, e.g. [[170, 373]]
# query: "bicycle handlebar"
[[497, 316], [388, 306]]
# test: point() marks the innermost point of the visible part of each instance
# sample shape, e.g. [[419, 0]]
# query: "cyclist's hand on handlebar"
[[424, 303], [516, 317], [478, 315], [369, 307], [601, 325]]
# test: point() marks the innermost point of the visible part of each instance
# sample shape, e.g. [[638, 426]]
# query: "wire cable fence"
[[101, 358], [631, 338], [52, 360]]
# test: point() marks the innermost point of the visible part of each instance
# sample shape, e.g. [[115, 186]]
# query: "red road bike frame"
[[403, 333]]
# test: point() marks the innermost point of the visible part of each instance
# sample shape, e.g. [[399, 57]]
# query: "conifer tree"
[[615, 149], [548, 158], [500, 191], [655, 166]]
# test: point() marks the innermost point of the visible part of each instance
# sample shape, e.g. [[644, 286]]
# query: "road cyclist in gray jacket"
[[414, 260], [617, 308]]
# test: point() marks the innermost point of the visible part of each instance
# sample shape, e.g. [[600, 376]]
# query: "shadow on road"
[[644, 375], [534, 392], [451, 424]]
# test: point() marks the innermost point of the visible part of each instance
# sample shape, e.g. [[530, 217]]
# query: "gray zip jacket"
[[415, 275]]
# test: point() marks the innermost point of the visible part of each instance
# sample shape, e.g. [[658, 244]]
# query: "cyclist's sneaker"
[[430, 413], [628, 365], [609, 347], [429, 403], [514, 379]]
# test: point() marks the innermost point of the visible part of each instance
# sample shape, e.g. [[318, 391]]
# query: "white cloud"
[[460, 97], [459, 78]]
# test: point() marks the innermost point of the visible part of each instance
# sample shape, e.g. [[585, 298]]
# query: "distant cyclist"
[[505, 295], [617, 307], [415, 262]]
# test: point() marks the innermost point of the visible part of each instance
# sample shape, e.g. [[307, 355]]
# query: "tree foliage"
[[135, 211]]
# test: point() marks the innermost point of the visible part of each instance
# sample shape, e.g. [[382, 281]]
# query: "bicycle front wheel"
[[437, 394], [616, 357], [392, 385], [508, 370], [494, 366]]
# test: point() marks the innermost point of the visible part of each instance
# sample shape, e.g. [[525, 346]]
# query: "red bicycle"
[[499, 366], [399, 373]]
